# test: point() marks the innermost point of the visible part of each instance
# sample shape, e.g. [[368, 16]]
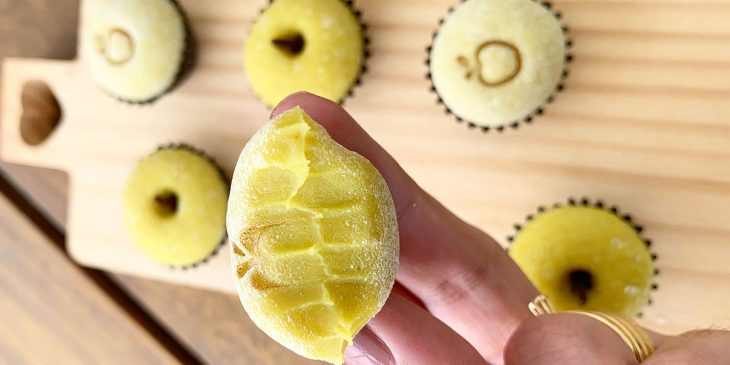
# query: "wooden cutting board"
[[644, 123]]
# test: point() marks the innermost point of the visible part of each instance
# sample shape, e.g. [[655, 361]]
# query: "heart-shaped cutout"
[[41, 112]]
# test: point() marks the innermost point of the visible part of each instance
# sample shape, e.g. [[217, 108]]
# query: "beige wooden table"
[[87, 316]]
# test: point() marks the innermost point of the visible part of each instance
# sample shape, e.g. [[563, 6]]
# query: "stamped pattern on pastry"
[[496, 62], [116, 46]]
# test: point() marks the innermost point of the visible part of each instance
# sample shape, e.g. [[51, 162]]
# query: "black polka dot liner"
[[502, 74], [585, 255]]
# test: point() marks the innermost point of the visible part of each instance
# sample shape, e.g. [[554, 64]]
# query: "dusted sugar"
[[314, 237]]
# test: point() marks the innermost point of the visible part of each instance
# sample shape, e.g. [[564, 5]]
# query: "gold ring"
[[634, 336], [541, 305]]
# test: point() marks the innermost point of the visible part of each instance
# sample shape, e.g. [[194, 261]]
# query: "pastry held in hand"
[[314, 237], [175, 206]]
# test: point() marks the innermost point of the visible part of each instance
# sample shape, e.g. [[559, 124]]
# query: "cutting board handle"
[[32, 116]]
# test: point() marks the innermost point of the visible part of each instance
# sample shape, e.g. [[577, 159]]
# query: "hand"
[[460, 299], [569, 339], [459, 296]]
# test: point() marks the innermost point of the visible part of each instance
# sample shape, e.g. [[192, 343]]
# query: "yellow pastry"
[[175, 206], [136, 48], [495, 62], [586, 258], [314, 237], [304, 45]]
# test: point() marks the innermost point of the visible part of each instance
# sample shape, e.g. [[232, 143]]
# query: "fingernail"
[[368, 349], [276, 111]]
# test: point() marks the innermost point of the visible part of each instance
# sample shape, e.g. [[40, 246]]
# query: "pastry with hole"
[[175, 206], [305, 45], [586, 257]]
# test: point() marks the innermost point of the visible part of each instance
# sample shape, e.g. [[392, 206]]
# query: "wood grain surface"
[[52, 313], [642, 124], [38, 28], [44, 187], [212, 325]]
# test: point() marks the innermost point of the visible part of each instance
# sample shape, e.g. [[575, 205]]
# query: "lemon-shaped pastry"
[[304, 45], [175, 206], [314, 237], [136, 48], [586, 258], [495, 62]]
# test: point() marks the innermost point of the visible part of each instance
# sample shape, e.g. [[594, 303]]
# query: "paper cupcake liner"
[[586, 202], [189, 59], [365, 55], [529, 118], [224, 178]]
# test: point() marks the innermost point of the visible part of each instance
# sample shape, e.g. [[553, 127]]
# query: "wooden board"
[[642, 124], [45, 320], [213, 326]]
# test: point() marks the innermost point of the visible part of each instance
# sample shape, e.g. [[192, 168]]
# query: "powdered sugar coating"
[[314, 237]]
